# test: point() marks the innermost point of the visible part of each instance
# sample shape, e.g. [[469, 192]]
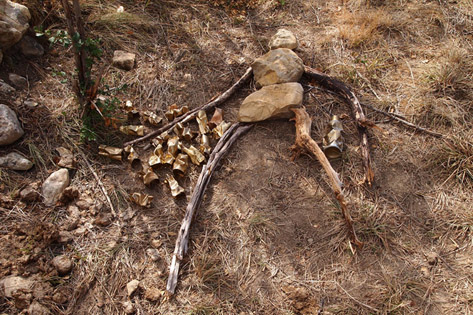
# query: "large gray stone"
[[272, 101], [14, 20], [123, 60], [54, 185], [30, 47], [16, 162], [10, 128], [281, 65], [12, 284], [283, 39]]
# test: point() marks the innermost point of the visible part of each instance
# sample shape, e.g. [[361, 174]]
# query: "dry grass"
[[268, 238]]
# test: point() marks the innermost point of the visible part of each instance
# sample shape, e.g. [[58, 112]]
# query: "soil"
[[269, 237]]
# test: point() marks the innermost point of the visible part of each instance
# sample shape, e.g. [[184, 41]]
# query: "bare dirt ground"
[[269, 237]]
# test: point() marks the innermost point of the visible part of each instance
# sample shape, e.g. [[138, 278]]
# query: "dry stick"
[[193, 113], [305, 141], [405, 122], [208, 169], [361, 121]]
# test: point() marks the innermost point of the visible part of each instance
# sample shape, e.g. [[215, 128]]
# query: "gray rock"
[[16, 162], [10, 128], [17, 80], [281, 65], [123, 60], [132, 286], [14, 20], [30, 47], [37, 309], [30, 104], [54, 185], [283, 39], [272, 101], [12, 284], [63, 264], [6, 88]]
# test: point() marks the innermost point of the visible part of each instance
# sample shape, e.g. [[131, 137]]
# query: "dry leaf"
[[178, 130], [110, 152], [187, 134], [176, 190], [154, 160], [202, 121], [181, 163], [142, 199], [66, 158], [133, 130], [217, 118], [194, 154]]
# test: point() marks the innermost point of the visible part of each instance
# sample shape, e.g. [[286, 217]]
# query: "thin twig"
[[193, 113], [405, 122]]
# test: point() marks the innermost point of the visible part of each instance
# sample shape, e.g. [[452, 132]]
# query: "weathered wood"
[[182, 241], [193, 113], [305, 142], [362, 123]]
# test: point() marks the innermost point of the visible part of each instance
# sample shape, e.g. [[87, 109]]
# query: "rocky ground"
[[85, 233]]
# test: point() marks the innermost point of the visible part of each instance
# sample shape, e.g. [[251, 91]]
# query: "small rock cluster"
[[276, 74]]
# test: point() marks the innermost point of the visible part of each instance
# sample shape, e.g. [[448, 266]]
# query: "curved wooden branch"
[[362, 123], [193, 113], [222, 148], [305, 141]]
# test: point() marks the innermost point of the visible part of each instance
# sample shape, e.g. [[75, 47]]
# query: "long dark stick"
[[345, 92], [222, 148], [193, 113]]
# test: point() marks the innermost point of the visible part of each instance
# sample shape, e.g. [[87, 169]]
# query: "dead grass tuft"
[[363, 27]]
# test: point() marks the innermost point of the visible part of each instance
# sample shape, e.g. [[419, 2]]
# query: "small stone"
[[132, 286], [64, 237], [123, 60], [37, 309], [84, 203], [16, 162], [156, 243], [128, 307], [6, 88], [272, 101], [283, 39], [66, 158], [432, 258], [30, 193], [60, 298], [69, 194], [10, 285], [103, 219], [54, 185], [73, 219], [281, 65], [153, 254], [153, 294], [17, 80], [31, 104], [30, 47], [10, 128], [63, 264]]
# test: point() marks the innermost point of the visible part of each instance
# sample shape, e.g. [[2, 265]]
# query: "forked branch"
[[305, 142]]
